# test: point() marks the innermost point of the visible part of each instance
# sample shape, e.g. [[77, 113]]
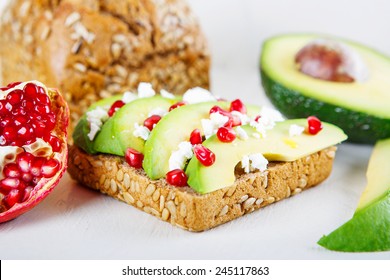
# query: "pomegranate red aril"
[[152, 121], [226, 134], [115, 107], [27, 114], [204, 155], [50, 168], [134, 158], [14, 84], [11, 170], [195, 137], [30, 90], [12, 198], [176, 178], [238, 105], [15, 97], [257, 118], [314, 125], [176, 105]]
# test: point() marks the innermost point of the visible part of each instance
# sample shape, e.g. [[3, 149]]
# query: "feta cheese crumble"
[[197, 95], [158, 111], [96, 118], [243, 117], [267, 120], [295, 130], [141, 131], [166, 94], [210, 126], [128, 96], [254, 161], [241, 133], [145, 90], [178, 159]]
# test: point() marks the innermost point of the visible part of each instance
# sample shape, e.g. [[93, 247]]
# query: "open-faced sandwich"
[[198, 162]]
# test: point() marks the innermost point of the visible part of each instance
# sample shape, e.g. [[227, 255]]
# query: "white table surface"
[[78, 223]]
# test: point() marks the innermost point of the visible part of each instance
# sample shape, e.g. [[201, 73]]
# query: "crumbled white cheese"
[[128, 96], [243, 117], [141, 131], [197, 95], [145, 90], [178, 158], [271, 114], [166, 94], [295, 130], [8, 154], [260, 128], [96, 118], [353, 64], [241, 133], [210, 126], [254, 161], [158, 111]]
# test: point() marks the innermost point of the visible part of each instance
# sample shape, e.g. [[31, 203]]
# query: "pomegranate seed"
[[10, 133], [233, 120], [195, 137], [176, 105], [238, 105], [11, 85], [5, 121], [12, 198], [3, 108], [42, 109], [115, 107], [50, 121], [177, 178], [26, 133], [50, 168], [20, 120], [134, 158], [152, 121], [28, 105], [26, 194], [15, 97], [23, 161], [226, 134], [257, 118], [39, 127], [11, 170], [42, 98], [314, 125], [204, 155], [9, 184], [54, 142], [30, 90], [36, 166], [27, 177], [217, 109]]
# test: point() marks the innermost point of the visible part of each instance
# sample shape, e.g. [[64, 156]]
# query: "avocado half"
[[361, 109]]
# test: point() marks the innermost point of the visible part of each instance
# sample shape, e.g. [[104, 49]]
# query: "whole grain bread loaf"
[[183, 207], [90, 49]]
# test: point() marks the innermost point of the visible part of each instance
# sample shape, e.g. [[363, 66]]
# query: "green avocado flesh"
[[369, 228], [361, 109], [116, 134], [173, 129], [276, 146], [80, 134]]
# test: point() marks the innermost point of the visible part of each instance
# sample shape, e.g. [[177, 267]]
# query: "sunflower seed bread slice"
[[91, 49], [183, 207]]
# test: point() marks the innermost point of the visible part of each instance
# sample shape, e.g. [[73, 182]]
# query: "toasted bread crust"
[[183, 207]]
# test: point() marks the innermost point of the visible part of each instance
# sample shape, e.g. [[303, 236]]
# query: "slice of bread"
[[191, 211]]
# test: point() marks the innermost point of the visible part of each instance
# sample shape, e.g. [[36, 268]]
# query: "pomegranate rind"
[[46, 185]]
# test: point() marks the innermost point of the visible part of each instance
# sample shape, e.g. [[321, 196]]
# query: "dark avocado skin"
[[360, 127]]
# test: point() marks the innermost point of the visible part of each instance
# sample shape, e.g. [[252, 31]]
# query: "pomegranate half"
[[33, 147]]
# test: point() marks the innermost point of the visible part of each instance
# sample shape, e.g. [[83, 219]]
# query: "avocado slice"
[[116, 134], [361, 109], [369, 228], [173, 129], [80, 133], [276, 146]]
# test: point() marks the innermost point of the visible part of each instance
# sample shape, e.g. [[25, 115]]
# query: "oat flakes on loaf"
[[92, 49]]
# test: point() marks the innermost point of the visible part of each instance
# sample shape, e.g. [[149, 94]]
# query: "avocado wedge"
[[361, 109]]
